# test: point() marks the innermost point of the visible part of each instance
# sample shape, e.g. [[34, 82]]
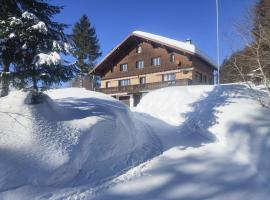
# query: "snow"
[[40, 26], [62, 46], [52, 58], [24, 46], [15, 21], [28, 15], [76, 137], [67, 47], [232, 164], [12, 35], [175, 43], [86, 145]]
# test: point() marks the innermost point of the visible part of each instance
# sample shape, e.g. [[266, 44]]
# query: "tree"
[[86, 43], [229, 73], [252, 64], [27, 32]]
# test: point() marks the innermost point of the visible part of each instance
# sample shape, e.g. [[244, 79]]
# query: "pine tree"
[[87, 48], [29, 40]]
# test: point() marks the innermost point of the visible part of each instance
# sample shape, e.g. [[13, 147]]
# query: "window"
[[139, 64], [172, 58], [123, 82], [198, 77], [139, 49], [169, 77], [155, 61], [204, 79], [210, 80], [123, 67], [190, 57], [142, 80], [108, 84]]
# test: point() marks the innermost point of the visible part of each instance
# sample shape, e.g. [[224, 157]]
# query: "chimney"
[[189, 41]]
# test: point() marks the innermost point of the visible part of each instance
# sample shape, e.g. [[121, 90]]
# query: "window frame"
[[120, 82], [108, 84], [123, 64], [172, 58], [204, 78], [169, 77], [199, 77], [139, 49], [142, 78], [154, 59], [138, 66]]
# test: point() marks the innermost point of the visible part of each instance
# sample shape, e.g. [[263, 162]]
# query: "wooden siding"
[[150, 78], [149, 51], [185, 66]]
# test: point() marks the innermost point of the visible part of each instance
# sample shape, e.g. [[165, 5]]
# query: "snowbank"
[[172, 102], [232, 164], [75, 137], [215, 143]]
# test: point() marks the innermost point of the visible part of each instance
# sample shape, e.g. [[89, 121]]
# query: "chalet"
[[144, 62]]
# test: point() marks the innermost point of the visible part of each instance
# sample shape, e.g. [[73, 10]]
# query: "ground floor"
[[130, 99]]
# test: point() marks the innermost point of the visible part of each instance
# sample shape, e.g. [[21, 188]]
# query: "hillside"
[[190, 143], [216, 142]]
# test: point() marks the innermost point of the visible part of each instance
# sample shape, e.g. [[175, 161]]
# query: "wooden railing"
[[143, 87]]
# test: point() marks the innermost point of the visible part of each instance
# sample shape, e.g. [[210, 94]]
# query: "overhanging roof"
[[175, 44]]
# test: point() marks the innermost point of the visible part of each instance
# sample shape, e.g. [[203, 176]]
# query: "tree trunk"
[[34, 92], [5, 79]]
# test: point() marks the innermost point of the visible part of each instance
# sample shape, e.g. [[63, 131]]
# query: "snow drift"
[[75, 137], [216, 142]]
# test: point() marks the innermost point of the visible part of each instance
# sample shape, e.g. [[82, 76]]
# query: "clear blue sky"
[[177, 19]]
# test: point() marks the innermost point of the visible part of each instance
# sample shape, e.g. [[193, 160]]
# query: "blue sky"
[[177, 19]]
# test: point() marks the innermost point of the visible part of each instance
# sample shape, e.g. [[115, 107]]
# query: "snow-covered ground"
[[215, 144], [75, 138]]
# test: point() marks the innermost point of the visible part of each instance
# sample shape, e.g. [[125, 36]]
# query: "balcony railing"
[[143, 87]]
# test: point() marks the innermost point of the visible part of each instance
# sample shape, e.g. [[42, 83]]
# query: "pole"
[[217, 15]]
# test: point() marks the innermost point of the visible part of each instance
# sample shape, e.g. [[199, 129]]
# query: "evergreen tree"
[[87, 48], [30, 41]]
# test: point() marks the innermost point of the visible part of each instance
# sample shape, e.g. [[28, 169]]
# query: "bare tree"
[[253, 62]]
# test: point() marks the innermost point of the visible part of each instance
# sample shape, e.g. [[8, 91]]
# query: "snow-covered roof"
[[175, 43], [183, 46]]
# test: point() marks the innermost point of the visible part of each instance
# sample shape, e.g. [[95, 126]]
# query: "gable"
[[137, 37]]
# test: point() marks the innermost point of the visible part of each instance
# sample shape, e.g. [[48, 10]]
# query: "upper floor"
[[144, 58]]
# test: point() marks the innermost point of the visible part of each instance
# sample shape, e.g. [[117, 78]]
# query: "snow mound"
[[172, 102], [75, 137]]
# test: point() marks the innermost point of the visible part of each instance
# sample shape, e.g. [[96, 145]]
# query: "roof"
[[179, 45]]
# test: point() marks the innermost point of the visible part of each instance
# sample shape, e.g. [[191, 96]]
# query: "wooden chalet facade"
[[144, 61]]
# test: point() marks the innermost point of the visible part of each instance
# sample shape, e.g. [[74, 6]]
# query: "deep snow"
[[216, 142], [215, 145], [78, 138]]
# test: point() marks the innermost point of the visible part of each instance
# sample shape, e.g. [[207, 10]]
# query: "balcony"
[[143, 87]]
